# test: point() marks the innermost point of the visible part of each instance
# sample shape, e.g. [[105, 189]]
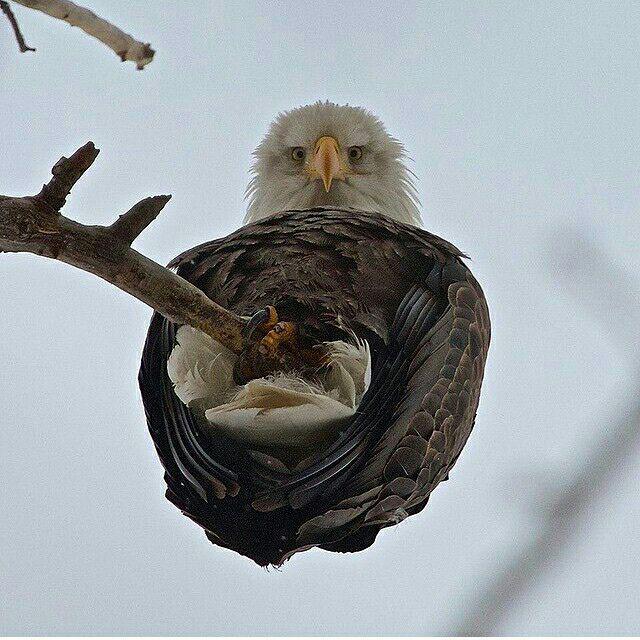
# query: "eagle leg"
[[273, 345]]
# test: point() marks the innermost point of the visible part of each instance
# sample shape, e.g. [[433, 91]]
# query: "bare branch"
[[33, 224], [6, 9], [117, 40], [66, 172], [132, 223]]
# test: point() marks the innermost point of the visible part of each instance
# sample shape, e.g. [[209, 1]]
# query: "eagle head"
[[325, 154]]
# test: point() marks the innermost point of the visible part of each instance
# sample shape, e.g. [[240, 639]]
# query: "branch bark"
[[124, 45], [33, 224]]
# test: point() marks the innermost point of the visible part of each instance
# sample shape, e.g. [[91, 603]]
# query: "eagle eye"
[[298, 153], [355, 153]]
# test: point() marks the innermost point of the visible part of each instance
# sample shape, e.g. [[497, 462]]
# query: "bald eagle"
[[272, 462]]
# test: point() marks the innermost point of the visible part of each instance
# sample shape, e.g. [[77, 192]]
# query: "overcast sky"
[[522, 122]]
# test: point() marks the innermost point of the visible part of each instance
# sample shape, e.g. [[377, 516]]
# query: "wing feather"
[[419, 449], [171, 422]]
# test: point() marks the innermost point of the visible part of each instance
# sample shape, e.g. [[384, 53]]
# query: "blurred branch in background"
[[610, 296], [606, 292], [117, 40]]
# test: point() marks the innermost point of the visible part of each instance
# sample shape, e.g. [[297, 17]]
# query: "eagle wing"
[[431, 335], [412, 423]]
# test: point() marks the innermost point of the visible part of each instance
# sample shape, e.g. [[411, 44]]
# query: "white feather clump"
[[380, 182], [281, 410]]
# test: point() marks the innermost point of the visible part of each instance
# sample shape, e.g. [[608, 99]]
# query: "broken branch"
[[124, 45], [33, 224]]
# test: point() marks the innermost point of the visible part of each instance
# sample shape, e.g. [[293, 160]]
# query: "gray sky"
[[522, 121]]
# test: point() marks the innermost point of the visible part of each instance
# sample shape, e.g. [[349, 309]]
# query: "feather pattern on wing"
[[338, 273]]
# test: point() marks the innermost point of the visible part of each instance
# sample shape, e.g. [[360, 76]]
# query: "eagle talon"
[[264, 320]]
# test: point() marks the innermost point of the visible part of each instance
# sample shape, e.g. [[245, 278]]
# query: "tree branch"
[[132, 223], [34, 224], [6, 9], [117, 40], [66, 172]]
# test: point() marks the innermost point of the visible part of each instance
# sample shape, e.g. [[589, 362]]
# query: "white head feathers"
[[326, 154]]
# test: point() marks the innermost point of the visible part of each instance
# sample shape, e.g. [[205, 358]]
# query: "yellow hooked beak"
[[325, 163]]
